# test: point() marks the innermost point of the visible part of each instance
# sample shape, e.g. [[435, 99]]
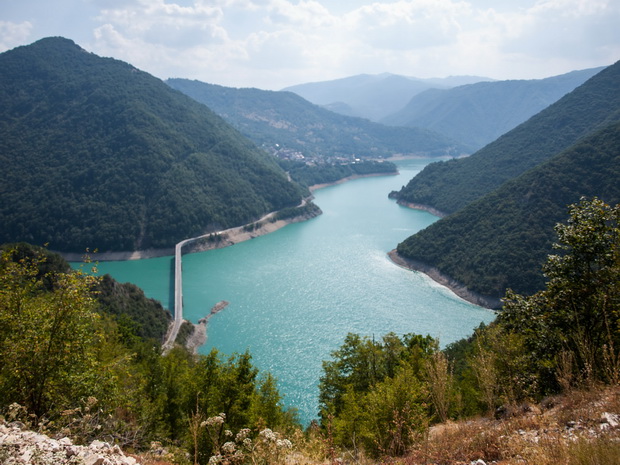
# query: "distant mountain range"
[[373, 96], [284, 122], [98, 154], [477, 114], [449, 186], [506, 198]]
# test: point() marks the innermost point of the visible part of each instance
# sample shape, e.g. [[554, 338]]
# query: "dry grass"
[[566, 430], [562, 430]]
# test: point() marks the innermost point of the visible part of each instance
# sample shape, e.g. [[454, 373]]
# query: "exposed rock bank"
[[199, 336], [216, 240], [458, 288], [419, 206]]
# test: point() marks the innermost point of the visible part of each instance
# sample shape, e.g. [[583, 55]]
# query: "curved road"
[[178, 281]]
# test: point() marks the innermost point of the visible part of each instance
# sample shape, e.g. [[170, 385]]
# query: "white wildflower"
[[228, 447], [242, 434], [214, 460], [284, 444], [268, 435], [216, 420]]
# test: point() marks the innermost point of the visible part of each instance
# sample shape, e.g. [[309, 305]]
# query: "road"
[[178, 280]]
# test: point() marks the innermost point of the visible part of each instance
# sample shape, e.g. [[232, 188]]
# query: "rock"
[[21, 447], [93, 459], [97, 444], [612, 419]]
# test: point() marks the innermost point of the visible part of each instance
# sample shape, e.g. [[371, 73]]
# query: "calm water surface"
[[295, 294]]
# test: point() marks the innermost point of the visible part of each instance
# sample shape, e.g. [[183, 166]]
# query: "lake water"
[[294, 294]]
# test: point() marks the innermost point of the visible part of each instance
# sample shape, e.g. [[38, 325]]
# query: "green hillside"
[[283, 121], [98, 154], [499, 241], [477, 114], [449, 186]]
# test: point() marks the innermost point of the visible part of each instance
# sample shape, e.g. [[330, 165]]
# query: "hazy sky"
[[271, 44]]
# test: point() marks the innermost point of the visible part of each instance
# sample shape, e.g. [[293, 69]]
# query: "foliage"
[[310, 209], [373, 393], [47, 337], [85, 374], [324, 173], [449, 186], [500, 241], [135, 313], [267, 447], [577, 312], [283, 121], [97, 154]]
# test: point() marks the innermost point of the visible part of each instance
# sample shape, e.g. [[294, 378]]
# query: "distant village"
[[284, 153]]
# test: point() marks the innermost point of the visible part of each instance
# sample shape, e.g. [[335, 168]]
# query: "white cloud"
[[275, 43], [14, 34], [578, 29], [406, 25], [307, 15]]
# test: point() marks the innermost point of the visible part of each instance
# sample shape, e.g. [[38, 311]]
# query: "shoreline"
[[458, 288], [198, 338], [315, 187], [227, 237], [426, 208]]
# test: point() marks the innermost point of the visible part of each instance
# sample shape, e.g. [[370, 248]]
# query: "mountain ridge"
[[477, 114], [98, 154], [449, 186], [372, 96], [499, 241], [277, 121]]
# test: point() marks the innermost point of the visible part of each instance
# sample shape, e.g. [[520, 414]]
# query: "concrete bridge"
[[178, 279]]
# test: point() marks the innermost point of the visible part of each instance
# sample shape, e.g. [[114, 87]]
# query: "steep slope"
[[449, 186], [500, 240], [285, 121], [98, 154], [479, 113], [372, 96]]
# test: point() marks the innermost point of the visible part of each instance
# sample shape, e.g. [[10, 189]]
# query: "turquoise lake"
[[294, 294]]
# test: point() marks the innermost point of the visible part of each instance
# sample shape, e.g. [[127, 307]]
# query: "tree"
[[47, 337], [578, 311]]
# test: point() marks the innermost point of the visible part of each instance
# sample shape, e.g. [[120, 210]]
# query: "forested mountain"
[[136, 315], [283, 121], [449, 186], [479, 113], [98, 154], [372, 96], [500, 240]]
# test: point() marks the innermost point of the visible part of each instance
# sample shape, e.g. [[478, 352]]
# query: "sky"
[[272, 44]]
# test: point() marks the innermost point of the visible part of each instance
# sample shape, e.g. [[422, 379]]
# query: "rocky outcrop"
[[19, 446]]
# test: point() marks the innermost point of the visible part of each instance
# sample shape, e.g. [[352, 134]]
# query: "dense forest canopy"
[[499, 241], [98, 154], [449, 186]]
